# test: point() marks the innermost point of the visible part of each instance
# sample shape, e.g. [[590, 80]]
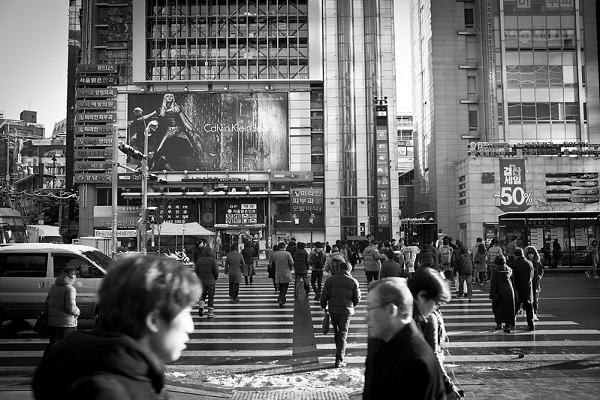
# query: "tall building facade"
[[507, 117], [272, 116]]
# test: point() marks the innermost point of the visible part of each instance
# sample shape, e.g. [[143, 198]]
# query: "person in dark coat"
[[248, 254], [538, 272], [144, 322], [389, 267], [283, 272], [400, 363], [301, 268], [341, 293], [523, 278], [234, 263], [207, 270], [556, 254], [502, 294], [271, 267]]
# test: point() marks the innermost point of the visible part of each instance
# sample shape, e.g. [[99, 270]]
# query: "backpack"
[[478, 258], [445, 253], [465, 266], [318, 260]]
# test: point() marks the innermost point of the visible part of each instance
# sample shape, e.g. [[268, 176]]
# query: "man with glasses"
[[400, 363]]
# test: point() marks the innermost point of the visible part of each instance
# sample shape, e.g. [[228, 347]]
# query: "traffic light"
[[131, 152], [152, 215]]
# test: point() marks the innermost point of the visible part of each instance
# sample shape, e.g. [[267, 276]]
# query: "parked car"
[[28, 270]]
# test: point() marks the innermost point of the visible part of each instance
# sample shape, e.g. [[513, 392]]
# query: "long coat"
[[283, 266], [523, 278], [233, 266], [502, 295]]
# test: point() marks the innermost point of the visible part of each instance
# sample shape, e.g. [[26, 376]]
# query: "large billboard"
[[212, 131]]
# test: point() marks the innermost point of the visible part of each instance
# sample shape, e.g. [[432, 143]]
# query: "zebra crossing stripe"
[[233, 329], [212, 322], [360, 360], [355, 324], [241, 340], [494, 344], [230, 353]]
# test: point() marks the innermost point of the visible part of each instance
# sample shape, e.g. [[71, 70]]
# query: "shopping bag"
[[326, 323], [41, 324]]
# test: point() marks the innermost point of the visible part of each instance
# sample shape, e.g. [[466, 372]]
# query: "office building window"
[[472, 120]]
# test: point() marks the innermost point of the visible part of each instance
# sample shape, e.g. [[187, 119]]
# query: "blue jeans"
[[341, 323]]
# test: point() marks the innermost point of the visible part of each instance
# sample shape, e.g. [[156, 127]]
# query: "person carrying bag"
[[62, 307]]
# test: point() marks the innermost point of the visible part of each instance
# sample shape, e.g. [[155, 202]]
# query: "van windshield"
[[99, 257]]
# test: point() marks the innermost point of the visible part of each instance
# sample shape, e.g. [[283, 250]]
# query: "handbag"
[[326, 323], [41, 324]]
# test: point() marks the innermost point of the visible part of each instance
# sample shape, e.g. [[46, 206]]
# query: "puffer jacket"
[[342, 293], [371, 258], [62, 305], [207, 268], [300, 261]]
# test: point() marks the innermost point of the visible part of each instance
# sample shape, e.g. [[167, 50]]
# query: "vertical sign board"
[[382, 168], [513, 196], [95, 118]]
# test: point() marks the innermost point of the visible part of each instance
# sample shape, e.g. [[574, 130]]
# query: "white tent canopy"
[[191, 229]]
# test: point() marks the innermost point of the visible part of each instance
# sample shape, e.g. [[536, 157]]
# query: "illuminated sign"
[[503, 149], [93, 153], [127, 216], [95, 92], [92, 178], [96, 117], [306, 200], [93, 165], [96, 104], [95, 129], [97, 68], [105, 141], [97, 80]]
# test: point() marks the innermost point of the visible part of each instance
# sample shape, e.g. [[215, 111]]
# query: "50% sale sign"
[[513, 196]]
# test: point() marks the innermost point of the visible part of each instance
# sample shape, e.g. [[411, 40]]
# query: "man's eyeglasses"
[[378, 306]]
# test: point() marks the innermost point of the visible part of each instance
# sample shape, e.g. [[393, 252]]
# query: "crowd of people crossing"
[[407, 284]]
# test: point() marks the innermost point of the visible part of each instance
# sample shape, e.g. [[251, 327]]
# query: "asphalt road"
[[256, 338]]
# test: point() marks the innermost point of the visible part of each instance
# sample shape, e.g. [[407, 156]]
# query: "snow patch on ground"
[[347, 379]]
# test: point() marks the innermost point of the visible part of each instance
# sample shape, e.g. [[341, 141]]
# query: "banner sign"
[[306, 200], [213, 131], [291, 176], [573, 187], [240, 212], [96, 68], [120, 233], [127, 216], [513, 196]]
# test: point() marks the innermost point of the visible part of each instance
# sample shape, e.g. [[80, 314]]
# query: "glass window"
[[469, 19], [514, 112], [571, 111], [528, 112], [554, 112], [23, 265], [473, 120], [543, 111]]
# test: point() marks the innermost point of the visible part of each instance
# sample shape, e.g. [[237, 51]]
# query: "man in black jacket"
[[342, 294], [400, 363], [523, 276]]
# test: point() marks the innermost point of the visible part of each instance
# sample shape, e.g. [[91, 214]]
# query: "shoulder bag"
[[326, 323]]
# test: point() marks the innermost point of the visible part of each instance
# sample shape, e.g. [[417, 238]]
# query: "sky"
[[33, 59]]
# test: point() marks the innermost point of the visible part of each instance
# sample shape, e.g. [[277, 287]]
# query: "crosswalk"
[[472, 337], [256, 331]]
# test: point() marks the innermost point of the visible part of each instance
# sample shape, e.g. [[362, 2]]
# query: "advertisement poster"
[[212, 131], [513, 195]]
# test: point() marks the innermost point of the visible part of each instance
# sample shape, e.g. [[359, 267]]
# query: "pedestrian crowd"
[[144, 313]]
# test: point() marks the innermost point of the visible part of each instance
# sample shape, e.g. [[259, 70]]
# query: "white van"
[[28, 270]]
